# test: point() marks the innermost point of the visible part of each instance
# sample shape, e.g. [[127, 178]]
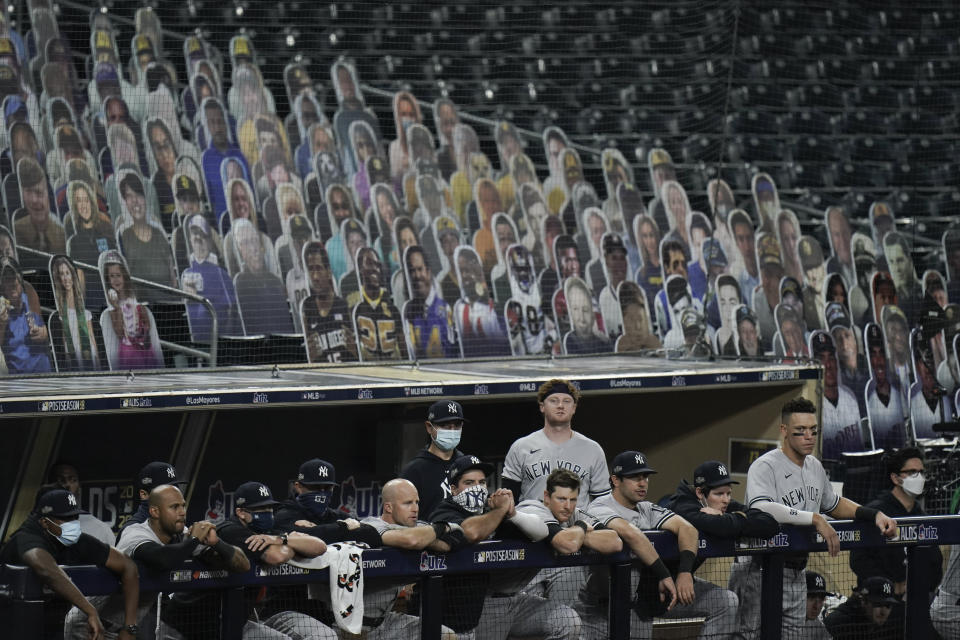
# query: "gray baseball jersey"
[[537, 508], [139, 533], [773, 477], [532, 457], [644, 516]]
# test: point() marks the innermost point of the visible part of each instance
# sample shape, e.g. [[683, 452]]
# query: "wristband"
[[581, 524], [687, 560], [223, 549], [660, 570], [865, 514], [283, 539], [439, 528]]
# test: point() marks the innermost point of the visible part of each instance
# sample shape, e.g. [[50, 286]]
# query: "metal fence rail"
[[23, 596]]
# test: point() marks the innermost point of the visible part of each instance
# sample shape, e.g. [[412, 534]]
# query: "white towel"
[[345, 562]]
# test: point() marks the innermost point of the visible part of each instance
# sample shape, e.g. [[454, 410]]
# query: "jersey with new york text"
[[774, 477], [532, 457]]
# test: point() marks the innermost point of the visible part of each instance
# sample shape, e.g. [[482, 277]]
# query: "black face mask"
[[315, 502]]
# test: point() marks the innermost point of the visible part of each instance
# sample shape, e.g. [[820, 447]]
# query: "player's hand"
[[261, 541], [200, 529], [886, 524], [829, 535], [668, 592], [304, 523], [211, 538], [125, 635], [710, 511], [351, 524], [298, 534], [685, 592], [95, 626]]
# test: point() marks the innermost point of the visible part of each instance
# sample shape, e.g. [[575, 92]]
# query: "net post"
[[431, 607], [619, 614], [232, 615], [771, 596]]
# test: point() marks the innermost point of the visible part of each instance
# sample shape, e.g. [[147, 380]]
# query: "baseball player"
[[150, 476], [51, 536], [945, 610], [556, 446], [308, 511], [164, 542], [866, 613], [252, 529], [817, 593], [626, 511], [569, 529], [428, 470], [791, 485], [506, 609], [709, 506], [398, 526]]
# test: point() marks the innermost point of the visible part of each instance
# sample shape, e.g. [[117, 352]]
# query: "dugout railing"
[[24, 597]]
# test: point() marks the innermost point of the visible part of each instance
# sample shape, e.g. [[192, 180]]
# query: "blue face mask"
[[447, 439], [262, 521], [69, 533], [316, 502]]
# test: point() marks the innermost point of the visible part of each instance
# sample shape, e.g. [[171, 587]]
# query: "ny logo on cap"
[[322, 471], [171, 473], [722, 470], [886, 588], [264, 491], [819, 581], [451, 407], [474, 459], [72, 499], [639, 459]]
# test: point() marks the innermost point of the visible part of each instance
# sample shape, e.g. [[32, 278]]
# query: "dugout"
[[225, 428]]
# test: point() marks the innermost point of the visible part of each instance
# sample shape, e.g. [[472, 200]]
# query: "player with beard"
[[790, 484]]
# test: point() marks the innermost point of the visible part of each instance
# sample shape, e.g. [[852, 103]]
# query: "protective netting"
[[522, 180]]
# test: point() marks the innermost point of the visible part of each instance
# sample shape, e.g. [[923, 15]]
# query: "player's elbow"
[[565, 545], [604, 541], [276, 554]]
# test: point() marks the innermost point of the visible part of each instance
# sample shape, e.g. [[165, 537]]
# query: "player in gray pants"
[[791, 485], [945, 610]]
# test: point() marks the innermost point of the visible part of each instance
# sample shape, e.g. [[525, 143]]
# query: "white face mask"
[[913, 485], [472, 499]]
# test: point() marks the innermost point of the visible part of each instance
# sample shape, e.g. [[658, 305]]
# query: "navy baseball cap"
[[816, 584], [712, 474], [253, 495], [157, 473], [445, 411], [837, 316], [821, 342], [467, 463], [878, 590], [58, 503], [317, 471], [630, 463]]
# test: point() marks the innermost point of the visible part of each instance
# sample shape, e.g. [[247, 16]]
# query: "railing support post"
[[771, 596], [619, 614], [431, 607]]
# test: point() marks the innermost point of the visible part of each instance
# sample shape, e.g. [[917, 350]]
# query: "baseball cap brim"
[[486, 467], [719, 483], [637, 472], [449, 419], [261, 504]]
